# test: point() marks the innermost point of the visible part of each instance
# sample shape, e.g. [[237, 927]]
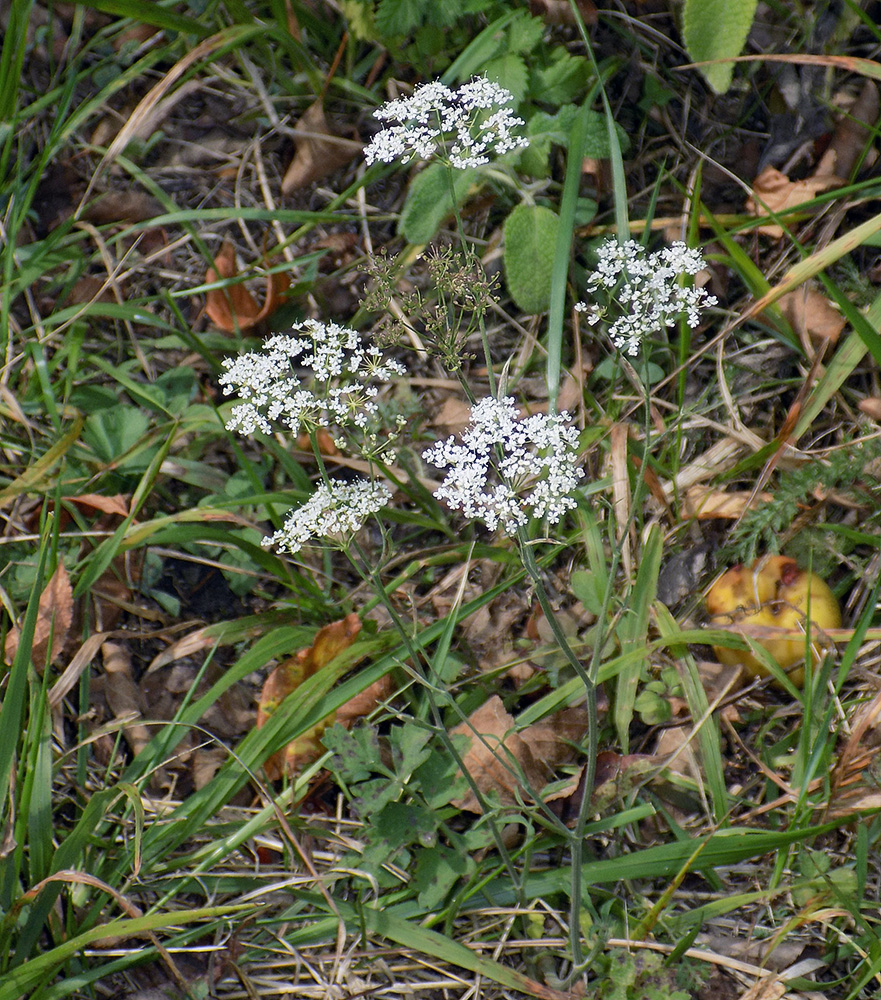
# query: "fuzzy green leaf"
[[530, 238], [717, 29], [396, 18], [429, 202]]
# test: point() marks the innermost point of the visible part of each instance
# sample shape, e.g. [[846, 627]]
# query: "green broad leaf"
[[437, 871], [525, 33], [717, 29], [530, 238], [429, 201], [396, 18], [114, 432], [562, 80], [410, 743], [509, 71], [590, 589], [360, 20]]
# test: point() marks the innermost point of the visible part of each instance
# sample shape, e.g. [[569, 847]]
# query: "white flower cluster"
[[332, 359], [336, 511], [454, 123], [646, 289], [530, 460]]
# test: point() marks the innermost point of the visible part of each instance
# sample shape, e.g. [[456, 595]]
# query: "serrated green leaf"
[[717, 29], [562, 80], [360, 20], [429, 201], [509, 71], [397, 18], [525, 33], [530, 237]]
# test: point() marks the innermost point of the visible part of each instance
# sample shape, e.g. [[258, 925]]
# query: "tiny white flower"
[[507, 468], [336, 512], [450, 123], [321, 379], [646, 290]]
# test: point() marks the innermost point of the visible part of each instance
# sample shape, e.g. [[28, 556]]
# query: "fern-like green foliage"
[[717, 29], [853, 472]]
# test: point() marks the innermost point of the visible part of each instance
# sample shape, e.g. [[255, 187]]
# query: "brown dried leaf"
[[851, 134], [500, 760], [553, 741], [775, 192], [871, 407], [319, 151], [365, 702], [122, 694], [330, 641], [234, 307], [810, 312], [706, 503], [54, 618], [560, 12], [117, 504]]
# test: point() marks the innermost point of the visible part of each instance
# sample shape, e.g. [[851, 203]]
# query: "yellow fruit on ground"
[[774, 592]]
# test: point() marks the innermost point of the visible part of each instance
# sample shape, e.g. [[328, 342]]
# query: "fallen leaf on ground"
[[810, 312], [560, 12], [122, 694], [775, 192], [234, 307], [851, 135], [871, 407], [319, 151], [330, 641], [498, 760], [54, 618], [511, 765], [706, 503]]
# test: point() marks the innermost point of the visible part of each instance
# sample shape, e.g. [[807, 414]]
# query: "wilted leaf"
[[775, 192], [507, 764], [851, 134], [234, 307], [706, 503], [365, 702], [319, 151], [330, 641], [809, 311], [122, 694], [560, 11], [498, 760], [54, 618]]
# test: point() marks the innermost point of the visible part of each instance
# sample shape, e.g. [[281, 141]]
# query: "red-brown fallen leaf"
[[54, 618], [852, 134], [234, 307], [871, 406], [330, 641], [326, 445], [706, 503], [365, 702], [117, 504], [122, 694], [512, 765], [319, 151], [560, 12], [809, 311], [775, 192]]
